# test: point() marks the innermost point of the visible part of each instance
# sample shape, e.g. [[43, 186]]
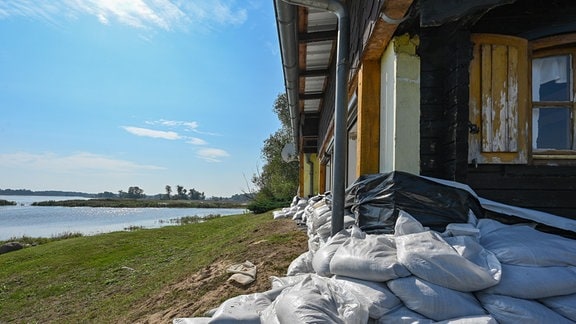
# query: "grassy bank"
[[146, 275]]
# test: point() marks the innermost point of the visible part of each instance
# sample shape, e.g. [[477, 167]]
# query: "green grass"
[[98, 279]]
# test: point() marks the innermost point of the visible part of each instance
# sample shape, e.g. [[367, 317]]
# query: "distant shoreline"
[[140, 203]]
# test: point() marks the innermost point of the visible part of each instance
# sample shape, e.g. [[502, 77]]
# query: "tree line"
[[136, 192]]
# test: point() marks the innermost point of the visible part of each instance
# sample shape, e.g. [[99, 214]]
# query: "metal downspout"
[[342, 69], [287, 33]]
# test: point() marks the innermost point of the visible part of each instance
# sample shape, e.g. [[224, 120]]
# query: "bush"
[[262, 204]]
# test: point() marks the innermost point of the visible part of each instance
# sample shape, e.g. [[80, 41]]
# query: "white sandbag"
[[462, 229], [282, 282], [302, 264], [240, 279], [315, 242], [193, 320], [295, 200], [268, 315], [563, 305], [375, 295], [434, 301], [318, 218], [368, 257], [485, 319], [404, 315], [277, 214], [406, 224], [241, 309], [325, 231], [535, 282], [247, 268], [322, 257], [524, 245], [507, 309], [465, 267], [298, 215], [319, 300]]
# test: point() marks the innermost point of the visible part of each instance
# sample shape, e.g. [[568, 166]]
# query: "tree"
[[278, 180], [135, 193], [196, 195], [180, 192], [168, 191]]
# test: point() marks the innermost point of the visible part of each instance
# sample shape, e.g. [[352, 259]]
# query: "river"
[[37, 221]]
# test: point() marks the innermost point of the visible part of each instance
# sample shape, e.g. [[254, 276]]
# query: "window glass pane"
[[551, 128], [551, 78]]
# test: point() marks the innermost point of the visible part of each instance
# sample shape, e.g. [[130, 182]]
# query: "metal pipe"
[[342, 69]]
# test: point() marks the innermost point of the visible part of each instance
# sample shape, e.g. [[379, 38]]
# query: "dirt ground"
[[208, 288]]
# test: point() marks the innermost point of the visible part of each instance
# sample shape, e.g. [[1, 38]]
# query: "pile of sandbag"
[[396, 263]]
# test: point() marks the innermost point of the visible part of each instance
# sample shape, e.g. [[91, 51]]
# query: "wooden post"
[[368, 150]]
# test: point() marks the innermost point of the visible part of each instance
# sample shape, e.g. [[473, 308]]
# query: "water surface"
[[42, 221]]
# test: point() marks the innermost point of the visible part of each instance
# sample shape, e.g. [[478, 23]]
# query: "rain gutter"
[[287, 34], [342, 69]]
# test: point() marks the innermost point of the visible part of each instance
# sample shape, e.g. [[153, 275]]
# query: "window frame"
[[546, 47]]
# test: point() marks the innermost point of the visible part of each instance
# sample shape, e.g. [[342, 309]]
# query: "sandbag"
[[302, 264], [406, 224], [368, 257], [375, 295], [524, 245], [193, 320], [241, 309], [282, 282], [484, 319], [318, 300], [434, 301], [563, 305], [319, 217], [322, 257], [465, 267], [512, 310], [535, 282], [377, 199], [404, 315]]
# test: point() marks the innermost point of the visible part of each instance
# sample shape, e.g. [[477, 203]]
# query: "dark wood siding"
[[445, 56], [549, 189]]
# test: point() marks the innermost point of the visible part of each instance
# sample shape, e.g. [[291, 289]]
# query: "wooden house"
[[479, 91]]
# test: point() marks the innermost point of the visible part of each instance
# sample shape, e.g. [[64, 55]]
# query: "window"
[[552, 103], [512, 121]]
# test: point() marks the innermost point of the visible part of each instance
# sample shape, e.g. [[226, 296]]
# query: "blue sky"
[[101, 95]]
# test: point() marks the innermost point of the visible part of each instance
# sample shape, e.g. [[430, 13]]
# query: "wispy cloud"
[[190, 125], [196, 141], [206, 154], [212, 154], [143, 14], [78, 162], [146, 132], [184, 125]]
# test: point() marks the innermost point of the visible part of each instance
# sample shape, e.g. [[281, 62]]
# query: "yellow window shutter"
[[498, 100]]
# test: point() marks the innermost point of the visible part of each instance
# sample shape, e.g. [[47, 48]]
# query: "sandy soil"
[[208, 288]]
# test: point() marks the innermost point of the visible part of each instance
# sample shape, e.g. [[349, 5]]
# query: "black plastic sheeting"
[[376, 200]]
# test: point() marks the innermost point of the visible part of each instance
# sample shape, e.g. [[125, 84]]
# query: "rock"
[[10, 246]]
